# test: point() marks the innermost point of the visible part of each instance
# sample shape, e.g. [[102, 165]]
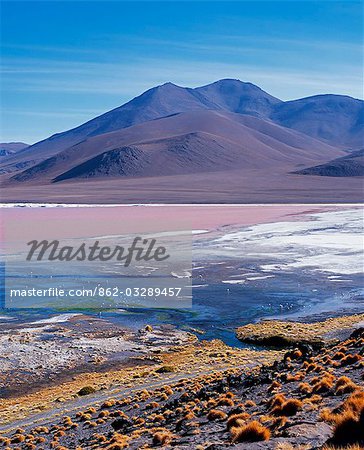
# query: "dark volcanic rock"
[[351, 165]]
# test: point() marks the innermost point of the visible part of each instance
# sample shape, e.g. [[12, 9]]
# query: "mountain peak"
[[167, 85], [240, 97], [228, 80], [233, 82]]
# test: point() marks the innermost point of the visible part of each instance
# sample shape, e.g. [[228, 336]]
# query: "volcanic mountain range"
[[170, 131]]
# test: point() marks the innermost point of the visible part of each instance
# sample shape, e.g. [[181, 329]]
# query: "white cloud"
[[130, 78]]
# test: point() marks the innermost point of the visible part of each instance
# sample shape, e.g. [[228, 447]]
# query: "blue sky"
[[65, 62]]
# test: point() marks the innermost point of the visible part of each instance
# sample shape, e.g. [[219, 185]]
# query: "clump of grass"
[[86, 390], [311, 367], [288, 408], [296, 354], [84, 417], [18, 438], [108, 403], [90, 410], [119, 441], [211, 403], [251, 432], [67, 421], [315, 399], [351, 359], [162, 438], [100, 437], [158, 418], [225, 401], [168, 390], [341, 381], [250, 404], [277, 400], [216, 414], [344, 385], [30, 446], [338, 355], [139, 421], [166, 369], [41, 429], [4, 441], [144, 395], [348, 422], [347, 429], [278, 422], [297, 377], [236, 420], [190, 415], [327, 416], [60, 433], [343, 348], [152, 405], [355, 402], [323, 385], [275, 385], [305, 388]]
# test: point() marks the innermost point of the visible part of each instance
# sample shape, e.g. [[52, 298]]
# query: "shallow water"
[[310, 268]]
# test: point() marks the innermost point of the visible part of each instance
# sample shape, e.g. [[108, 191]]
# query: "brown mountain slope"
[[160, 101], [190, 142]]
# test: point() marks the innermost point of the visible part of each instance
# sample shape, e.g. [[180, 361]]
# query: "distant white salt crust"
[[259, 278], [340, 281], [233, 281], [329, 242], [57, 319], [184, 274], [251, 275], [156, 235]]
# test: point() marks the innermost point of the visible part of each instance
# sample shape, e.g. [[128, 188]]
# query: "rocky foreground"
[[310, 398], [44, 352]]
